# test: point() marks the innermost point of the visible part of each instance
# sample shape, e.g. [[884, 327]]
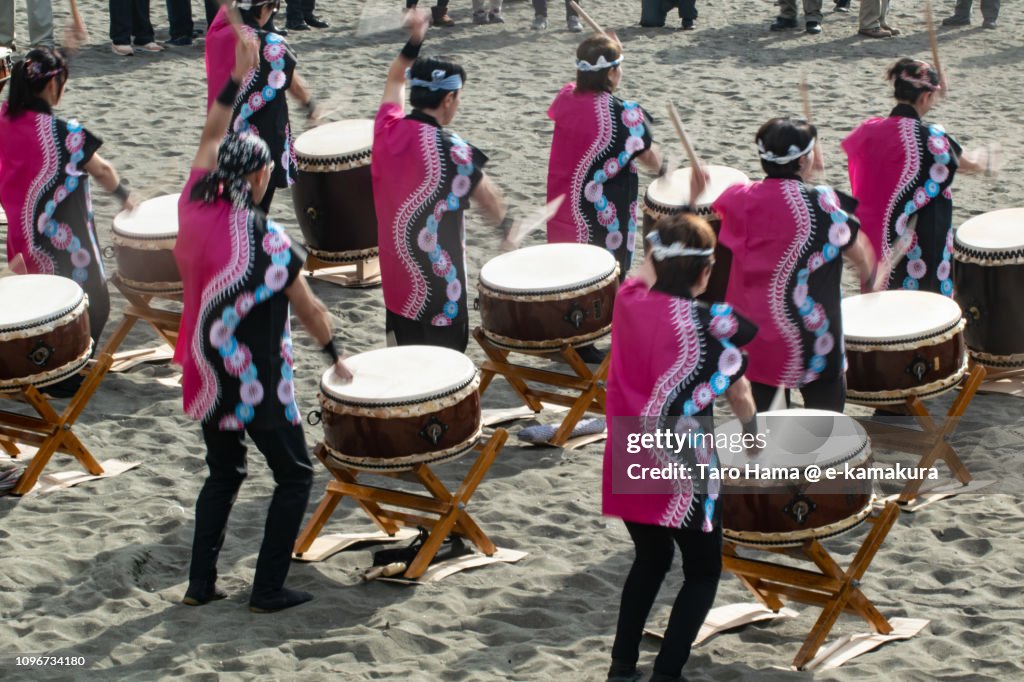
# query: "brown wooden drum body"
[[887, 370], [545, 320], [44, 350], [988, 270], [148, 265], [333, 191], [370, 423], [787, 512]]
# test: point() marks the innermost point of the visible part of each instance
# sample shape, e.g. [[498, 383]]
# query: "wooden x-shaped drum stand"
[[50, 432], [830, 587], [165, 322], [362, 272], [588, 386], [448, 508], [930, 443]]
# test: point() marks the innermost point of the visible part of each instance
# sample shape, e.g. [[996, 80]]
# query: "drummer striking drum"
[[423, 179], [240, 272]]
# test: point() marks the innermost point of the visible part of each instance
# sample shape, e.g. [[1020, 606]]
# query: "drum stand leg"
[[588, 385], [931, 442], [51, 432], [448, 507], [830, 587], [360, 273], [166, 323]]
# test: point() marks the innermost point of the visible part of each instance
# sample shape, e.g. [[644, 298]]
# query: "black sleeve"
[[92, 145], [745, 332]]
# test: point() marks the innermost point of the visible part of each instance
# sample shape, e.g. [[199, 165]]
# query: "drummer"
[[598, 141], [424, 177], [260, 106], [901, 171], [786, 237], [672, 355], [240, 273], [44, 181]]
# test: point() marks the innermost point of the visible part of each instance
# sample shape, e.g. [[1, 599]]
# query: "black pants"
[[654, 12], [298, 10], [285, 451], [823, 394], [540, 8], [130, 18], [702, 568], [412, 333], [179, 16], [441, 6]]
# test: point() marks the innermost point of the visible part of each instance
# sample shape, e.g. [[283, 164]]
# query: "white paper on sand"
[[330, 544], [66, 479], [125, 360], [494, 416], [443, 569], [1006, 383], [724, 618], [935, 493], [851, 646], [379, 16]]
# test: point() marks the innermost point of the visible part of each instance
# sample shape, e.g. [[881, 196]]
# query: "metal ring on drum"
[[769, 499], [144, 242], [44, 330], [902, 344], [542, 298], [988, 272], [406, 405], [333, 191]]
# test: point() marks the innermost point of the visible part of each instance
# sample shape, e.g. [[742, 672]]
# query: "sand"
[[97, 571]]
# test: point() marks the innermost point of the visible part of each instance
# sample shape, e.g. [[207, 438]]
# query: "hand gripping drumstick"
[[933, 40], [594, 26], [234, 18]]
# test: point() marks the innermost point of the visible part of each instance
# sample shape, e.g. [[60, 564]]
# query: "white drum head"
[[795, 438], [341, 138], [27, 300], [155, 218], [674, 189], [548, 268], [892, 316], [401, 374], [994, 232]]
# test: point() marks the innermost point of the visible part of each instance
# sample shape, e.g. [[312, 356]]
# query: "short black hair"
[[903, 73], [779, 136], [678, 274], [31, 75], [423, 69]]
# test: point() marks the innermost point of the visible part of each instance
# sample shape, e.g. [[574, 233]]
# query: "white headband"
[[600, 65], [791, 154], [661, 252]]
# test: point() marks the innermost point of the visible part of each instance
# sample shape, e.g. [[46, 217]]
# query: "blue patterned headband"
[[437, 81], [661, 252], [600, 65]]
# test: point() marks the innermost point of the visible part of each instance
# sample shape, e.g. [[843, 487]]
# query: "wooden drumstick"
[[805, 96], [683, 138], [76, 18], [587, 19], [521, 230], [384, 571], [933, 41]]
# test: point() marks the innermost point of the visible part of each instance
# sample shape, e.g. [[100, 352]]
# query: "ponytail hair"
[[31, 75]]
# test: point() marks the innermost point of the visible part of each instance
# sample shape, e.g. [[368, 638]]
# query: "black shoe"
[[623, 671], [956, 21], [590, 354], [782, 24], [315, 21], [199, 595], [989, 23], [813, 27], [278, 601], [494, 17], [198, 33], [296, 26], [180, 41], [842, 5], [687, 24]]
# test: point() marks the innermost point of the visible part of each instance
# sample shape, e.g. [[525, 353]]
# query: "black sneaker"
[[296, 26], [782, 24], [494, 17], [687, 24], [842, 5], [180, 41], [315, 21], [813, 27], [956, 21], [280, 600]]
